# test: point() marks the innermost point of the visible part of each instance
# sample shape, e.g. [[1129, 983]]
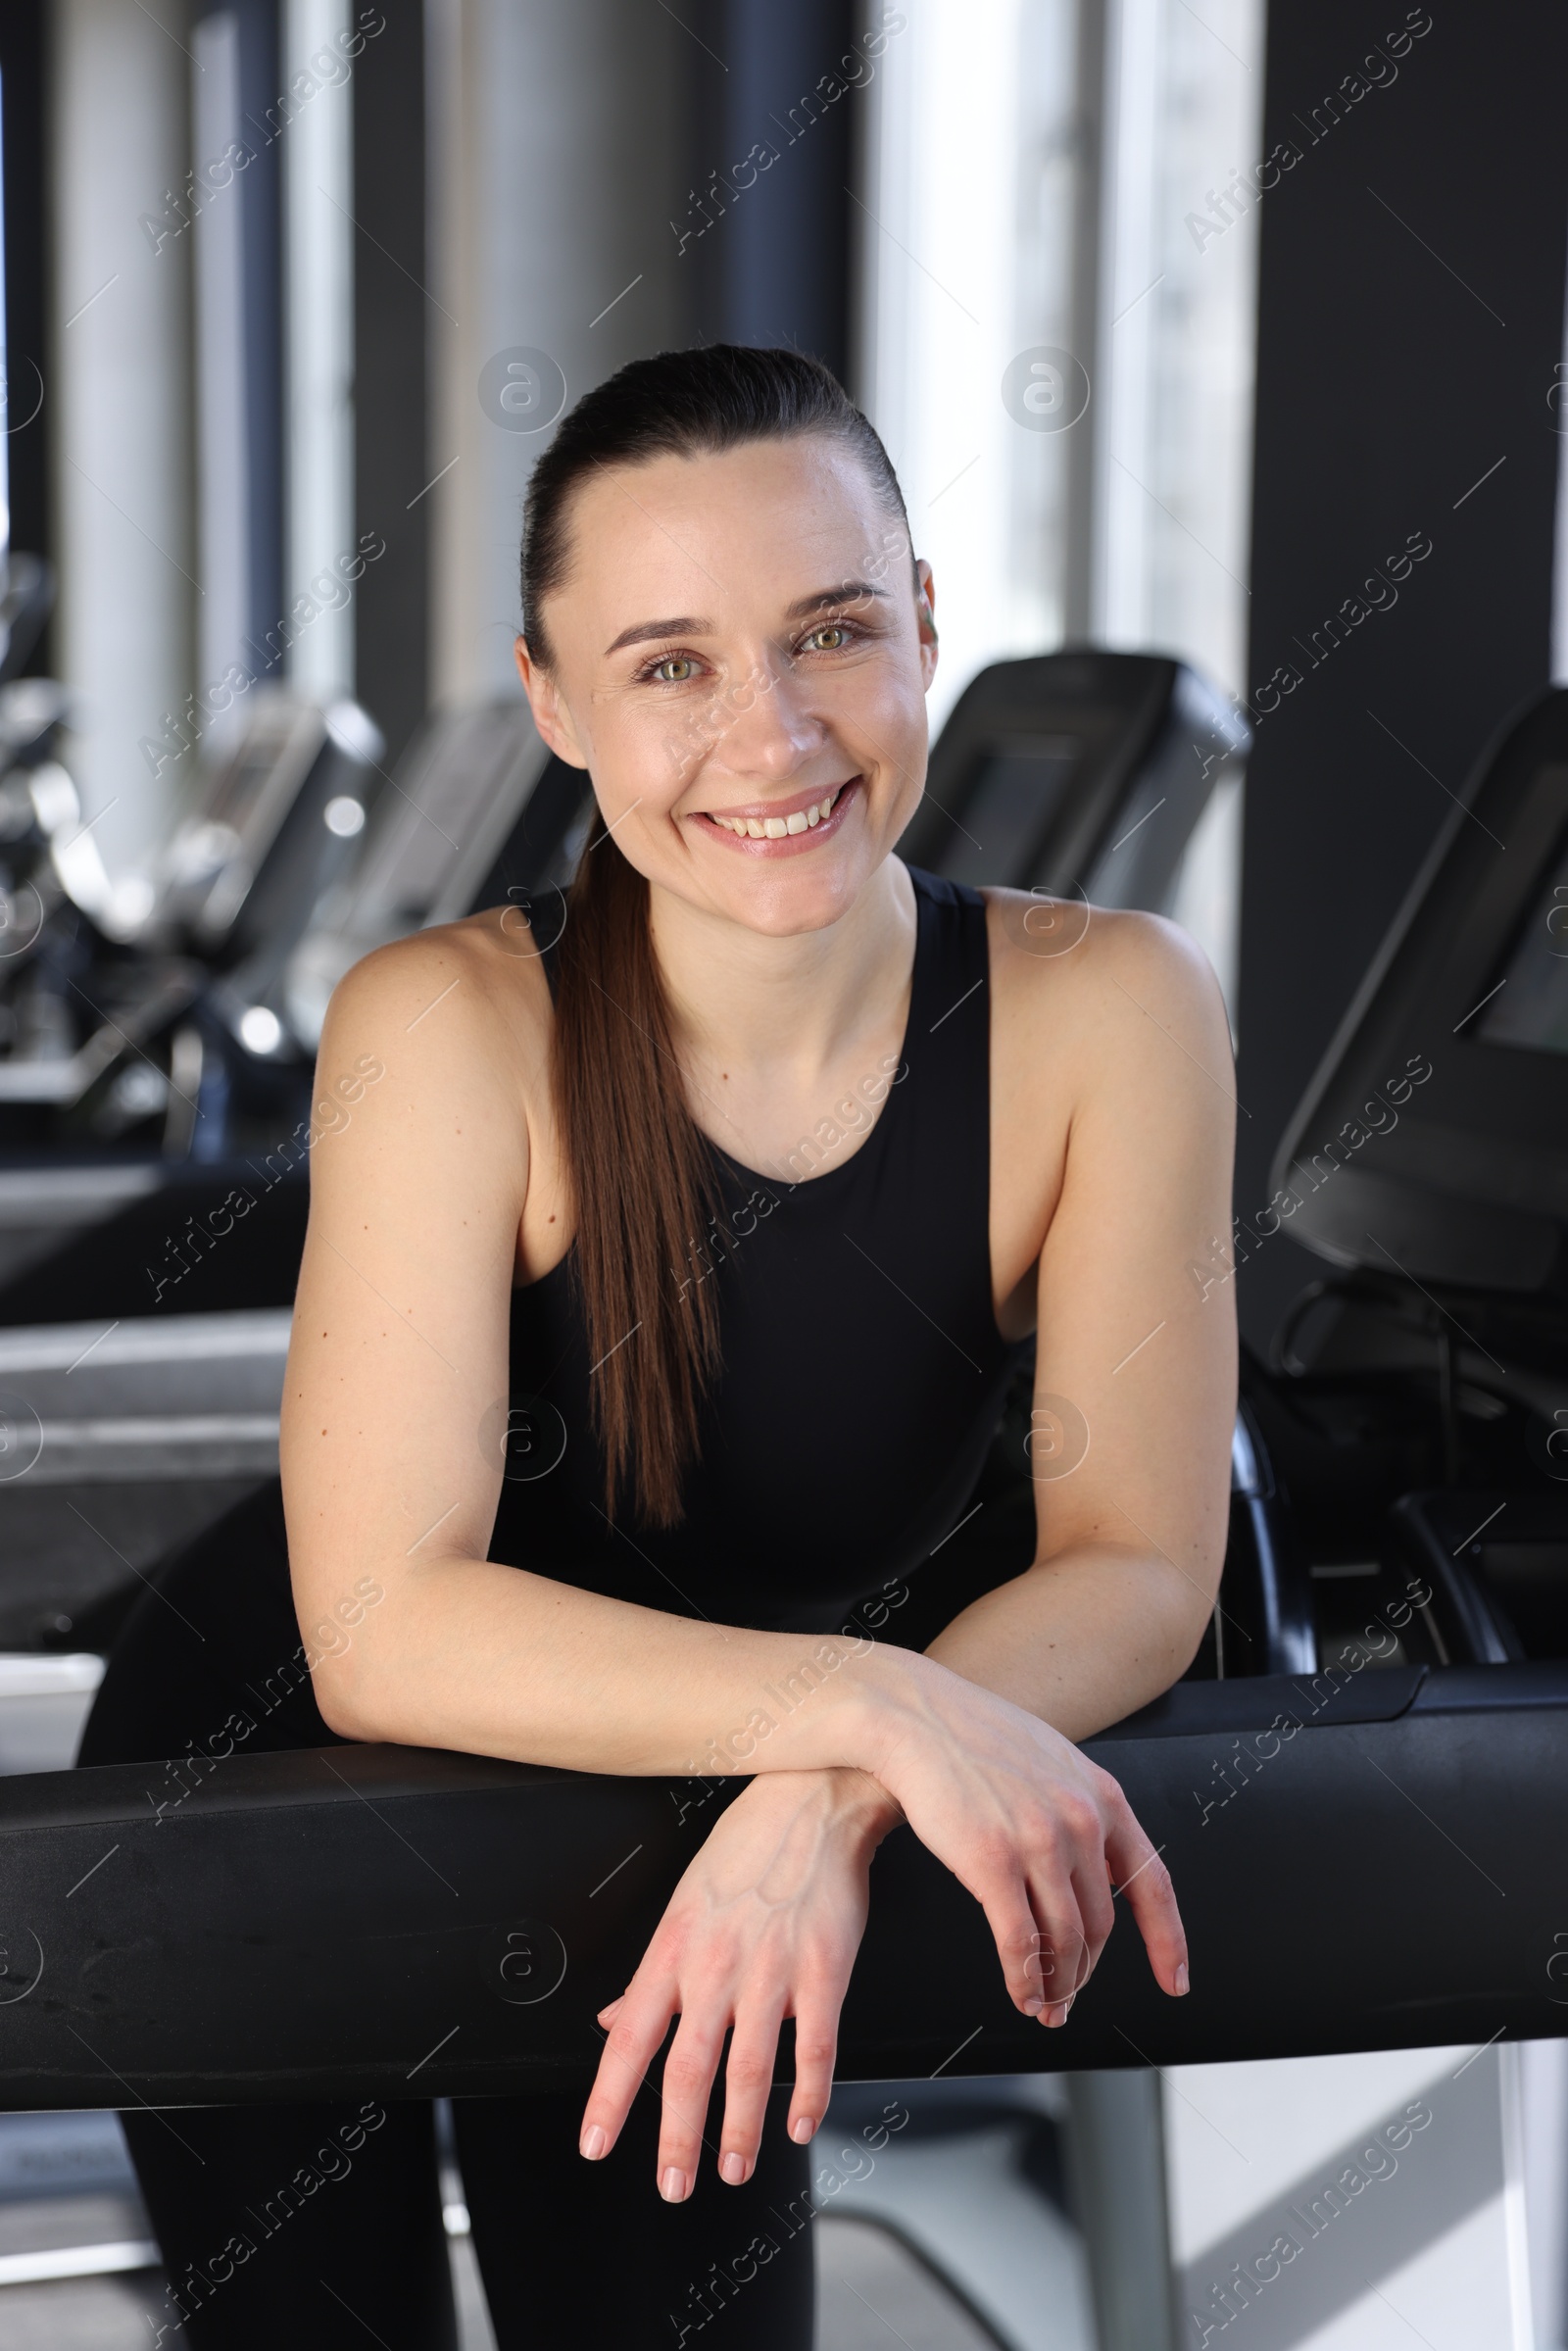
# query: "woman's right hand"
[[765, 1924], [1036, 1832]]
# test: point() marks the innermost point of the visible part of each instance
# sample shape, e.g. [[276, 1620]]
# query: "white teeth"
[[778, 828]]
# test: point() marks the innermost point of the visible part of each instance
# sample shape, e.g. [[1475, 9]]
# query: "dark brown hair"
[[644, 1185]]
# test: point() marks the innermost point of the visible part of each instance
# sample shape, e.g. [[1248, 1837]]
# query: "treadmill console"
[[477, 803], [1433, 1142], [1529, 1007], [1081, 771]]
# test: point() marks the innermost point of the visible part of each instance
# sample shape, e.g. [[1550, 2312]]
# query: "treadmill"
[[268, 890], [125, 1006], [478, 806], [1420, 1383], [1082, 772]]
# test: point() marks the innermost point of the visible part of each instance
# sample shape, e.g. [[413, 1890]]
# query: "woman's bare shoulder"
[[1089, 1004], [459, 989], [1054, 957], [453, 1034]]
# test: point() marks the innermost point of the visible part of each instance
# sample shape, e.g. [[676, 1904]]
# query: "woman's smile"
[[781, 828]]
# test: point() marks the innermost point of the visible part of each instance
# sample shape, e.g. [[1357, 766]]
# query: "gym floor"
[[871, 2294]]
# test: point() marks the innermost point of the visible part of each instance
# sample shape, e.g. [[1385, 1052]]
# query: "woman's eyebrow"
[[848, 591], [683, 625]]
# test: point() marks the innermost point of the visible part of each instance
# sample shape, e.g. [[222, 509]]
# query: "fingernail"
[[594, 2143], [673, 2187], [1059, 2012], [1033, 2007], [801, 2131], [1181, 1979], [734, 2168]]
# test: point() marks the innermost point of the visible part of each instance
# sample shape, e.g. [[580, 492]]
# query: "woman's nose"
[[766, 729]]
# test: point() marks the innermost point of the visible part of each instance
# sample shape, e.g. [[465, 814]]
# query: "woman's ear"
[[550, 713], [925, 616]]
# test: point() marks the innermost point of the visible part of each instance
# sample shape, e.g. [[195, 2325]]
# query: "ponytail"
[[642, 1185]]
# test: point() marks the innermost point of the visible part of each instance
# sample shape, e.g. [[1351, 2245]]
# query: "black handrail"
[[1372, 1859]]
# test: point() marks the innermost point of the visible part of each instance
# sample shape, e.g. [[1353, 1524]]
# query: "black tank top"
[[862, 1371]]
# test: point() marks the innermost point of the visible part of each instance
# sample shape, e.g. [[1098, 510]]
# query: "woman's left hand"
[[765, 1924]]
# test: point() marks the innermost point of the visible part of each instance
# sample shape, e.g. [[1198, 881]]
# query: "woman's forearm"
[[494, 1660], [1083, 1639]]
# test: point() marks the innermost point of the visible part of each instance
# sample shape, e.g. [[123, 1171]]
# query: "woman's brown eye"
[[829, 639], [675, 671]]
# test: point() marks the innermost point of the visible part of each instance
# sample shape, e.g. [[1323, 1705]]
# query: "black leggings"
[[288, 2223]]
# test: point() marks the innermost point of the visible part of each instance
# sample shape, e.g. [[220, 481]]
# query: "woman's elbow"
[[339, 1664], [1192, 1614], [343, 1712]]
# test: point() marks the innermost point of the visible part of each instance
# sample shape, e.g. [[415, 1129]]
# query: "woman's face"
[[741, 658]]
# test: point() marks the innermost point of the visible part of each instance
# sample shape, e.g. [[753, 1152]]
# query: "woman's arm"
[[1132, 1484]]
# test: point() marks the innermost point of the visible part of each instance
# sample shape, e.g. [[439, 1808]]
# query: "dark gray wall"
[[1411, 323], [771, 148], [23, 66], [392, 319]]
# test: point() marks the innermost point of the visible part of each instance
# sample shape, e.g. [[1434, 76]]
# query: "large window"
[[975, 182], [1059, 243]]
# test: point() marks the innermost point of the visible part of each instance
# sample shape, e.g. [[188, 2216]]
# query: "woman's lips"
[[786, 844]]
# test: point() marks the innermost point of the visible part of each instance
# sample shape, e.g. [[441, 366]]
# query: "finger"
[[631, 2046], [748, 2079], [1064, 1970], [1091, 1885], [1139, 1872], [1017, 1934], [816, 2048], [688, 2081], [605, 2014], [1061, 1962]]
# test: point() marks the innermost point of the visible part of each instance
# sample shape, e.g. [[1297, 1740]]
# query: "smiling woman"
[[725, 624]]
